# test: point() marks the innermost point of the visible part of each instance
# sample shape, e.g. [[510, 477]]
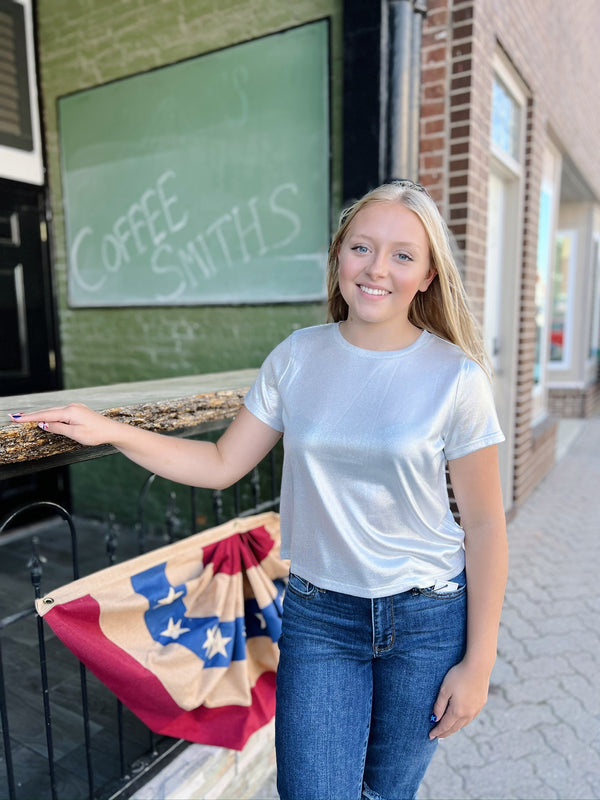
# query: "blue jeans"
[[356, 685]]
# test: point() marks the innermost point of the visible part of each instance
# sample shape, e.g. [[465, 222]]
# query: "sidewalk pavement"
[[539, 735]]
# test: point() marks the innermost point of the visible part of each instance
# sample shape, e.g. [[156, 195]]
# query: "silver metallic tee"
[[364, 503]]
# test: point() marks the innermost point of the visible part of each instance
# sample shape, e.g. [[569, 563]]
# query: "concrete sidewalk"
[[539, 735]]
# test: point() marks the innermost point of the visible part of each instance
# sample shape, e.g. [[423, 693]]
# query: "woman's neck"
[[373, 336]]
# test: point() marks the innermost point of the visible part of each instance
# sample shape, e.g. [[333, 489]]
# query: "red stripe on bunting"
[[76, 623]]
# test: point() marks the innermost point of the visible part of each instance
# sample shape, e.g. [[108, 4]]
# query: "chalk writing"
[[158, 228]]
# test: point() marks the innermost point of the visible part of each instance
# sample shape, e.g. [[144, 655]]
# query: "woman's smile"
[[373, 291]]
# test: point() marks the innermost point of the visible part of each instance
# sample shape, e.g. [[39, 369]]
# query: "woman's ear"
[[426, 283]]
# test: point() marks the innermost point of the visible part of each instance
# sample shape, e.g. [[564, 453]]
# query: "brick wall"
[[566, 402], [552, 52], [87, 44], [434, 161]]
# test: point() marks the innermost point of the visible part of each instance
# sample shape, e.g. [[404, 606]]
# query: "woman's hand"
[[76, 421], [462, 695]]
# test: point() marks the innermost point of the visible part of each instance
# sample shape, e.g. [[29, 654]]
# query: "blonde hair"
[[443, 308]]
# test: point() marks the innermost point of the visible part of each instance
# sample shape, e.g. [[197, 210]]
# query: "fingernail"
[[43, 425], [15, 416], [433, 718]]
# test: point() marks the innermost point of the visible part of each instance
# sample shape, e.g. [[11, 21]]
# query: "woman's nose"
[[377, 266]]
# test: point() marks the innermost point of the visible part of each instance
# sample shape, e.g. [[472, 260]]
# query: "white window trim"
[[16, 164]]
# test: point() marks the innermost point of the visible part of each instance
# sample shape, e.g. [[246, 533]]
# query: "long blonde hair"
[[443, 308]]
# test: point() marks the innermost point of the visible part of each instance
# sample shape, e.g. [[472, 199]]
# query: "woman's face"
[[384, 261]]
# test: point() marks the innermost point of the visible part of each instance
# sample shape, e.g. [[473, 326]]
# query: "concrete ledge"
[[181, 406], [215, 772]]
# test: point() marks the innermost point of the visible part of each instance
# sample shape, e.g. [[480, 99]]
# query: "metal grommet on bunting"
[[48, 601]]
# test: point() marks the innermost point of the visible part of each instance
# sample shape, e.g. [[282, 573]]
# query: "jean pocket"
[[300, 587], [441, 590]]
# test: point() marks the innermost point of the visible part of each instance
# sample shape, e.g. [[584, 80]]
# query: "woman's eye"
[[360, 248], [403, 256]]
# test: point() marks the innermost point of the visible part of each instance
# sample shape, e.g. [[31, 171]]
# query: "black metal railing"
[[37, 672]]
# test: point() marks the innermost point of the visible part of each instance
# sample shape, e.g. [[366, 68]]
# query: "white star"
[[215, 642], [170, 598], [261, 618], [174, 629]]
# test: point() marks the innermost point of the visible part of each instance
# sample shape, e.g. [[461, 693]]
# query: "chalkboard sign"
[[203, 182]]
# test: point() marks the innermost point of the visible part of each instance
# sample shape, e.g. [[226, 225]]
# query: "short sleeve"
[[264, 398], [474, 422]]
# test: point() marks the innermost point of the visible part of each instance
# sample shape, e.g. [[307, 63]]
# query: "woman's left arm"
[[475, 481]]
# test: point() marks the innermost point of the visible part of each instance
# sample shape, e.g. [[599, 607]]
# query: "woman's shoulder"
[[452, 357], [448, 351], [299, 342], [313, 336], [313, 331]]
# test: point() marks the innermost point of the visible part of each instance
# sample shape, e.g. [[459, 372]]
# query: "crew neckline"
[[419, 342]]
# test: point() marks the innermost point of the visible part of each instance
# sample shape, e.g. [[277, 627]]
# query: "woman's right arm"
[[194, 463]]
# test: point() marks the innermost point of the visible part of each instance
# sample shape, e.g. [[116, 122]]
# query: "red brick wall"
[[553, 49], [435, 77], [575, 402]]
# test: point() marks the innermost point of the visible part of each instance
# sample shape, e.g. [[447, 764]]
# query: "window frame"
[[24, 139]]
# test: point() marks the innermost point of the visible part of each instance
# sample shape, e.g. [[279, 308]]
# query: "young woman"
[[383, 651]]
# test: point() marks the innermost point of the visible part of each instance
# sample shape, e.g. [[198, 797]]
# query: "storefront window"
[[506, 121], [562, 275]]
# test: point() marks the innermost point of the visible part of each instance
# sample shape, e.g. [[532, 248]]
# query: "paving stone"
[[442, 781], [514, 744], [518, 625], [506, 779], [568, 741], [533, 690], [460, 752], [503, 673], [560, 624], [551, 644], [510, 648], [556, 772]]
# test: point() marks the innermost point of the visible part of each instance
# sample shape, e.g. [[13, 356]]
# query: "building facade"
[[492, 105], [509, 120]]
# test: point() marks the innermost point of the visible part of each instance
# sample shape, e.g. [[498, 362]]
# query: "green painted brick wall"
[[84, 43]]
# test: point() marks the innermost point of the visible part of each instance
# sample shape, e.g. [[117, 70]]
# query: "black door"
[[28, 352]]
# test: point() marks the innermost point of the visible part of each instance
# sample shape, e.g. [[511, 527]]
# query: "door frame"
[[503, 288], [19, 195]]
